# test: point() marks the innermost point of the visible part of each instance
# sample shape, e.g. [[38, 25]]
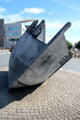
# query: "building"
[[11, 32], [1, 33]]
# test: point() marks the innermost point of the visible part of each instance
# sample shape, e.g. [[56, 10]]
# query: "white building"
[[13, 31]]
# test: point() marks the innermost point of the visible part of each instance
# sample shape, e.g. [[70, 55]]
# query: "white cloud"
[[13, 17], [76, 24], [72, 34], [2, 9], [54, 25], [20, 15], [33, 10]]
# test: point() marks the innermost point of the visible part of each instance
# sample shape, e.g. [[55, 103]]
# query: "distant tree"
[[69, 44], [77, 45]]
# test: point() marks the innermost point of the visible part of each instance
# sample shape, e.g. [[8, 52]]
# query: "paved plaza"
[[58, 98]]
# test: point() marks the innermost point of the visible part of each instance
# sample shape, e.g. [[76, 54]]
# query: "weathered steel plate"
[[32, 61]]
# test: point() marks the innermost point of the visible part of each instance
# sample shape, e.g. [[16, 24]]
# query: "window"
[[16, 28], [13, 34]]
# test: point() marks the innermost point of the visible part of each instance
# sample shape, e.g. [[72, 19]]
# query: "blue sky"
[[55, 12]]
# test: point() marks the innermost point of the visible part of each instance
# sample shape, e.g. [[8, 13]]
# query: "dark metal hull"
[[32, 61]]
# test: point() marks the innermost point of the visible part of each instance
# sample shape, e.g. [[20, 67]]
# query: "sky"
[[56, 13]]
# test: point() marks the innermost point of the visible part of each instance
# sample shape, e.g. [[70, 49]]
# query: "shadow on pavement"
[[7, 96]]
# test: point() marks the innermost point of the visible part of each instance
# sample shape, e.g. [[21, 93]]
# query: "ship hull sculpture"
[[32, 61]]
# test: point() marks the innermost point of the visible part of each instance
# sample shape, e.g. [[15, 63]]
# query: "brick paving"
[[58, 98]]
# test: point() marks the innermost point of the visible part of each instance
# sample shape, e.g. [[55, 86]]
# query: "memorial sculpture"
[[32, 61]]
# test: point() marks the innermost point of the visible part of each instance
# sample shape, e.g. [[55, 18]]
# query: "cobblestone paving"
[[58, 98]]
